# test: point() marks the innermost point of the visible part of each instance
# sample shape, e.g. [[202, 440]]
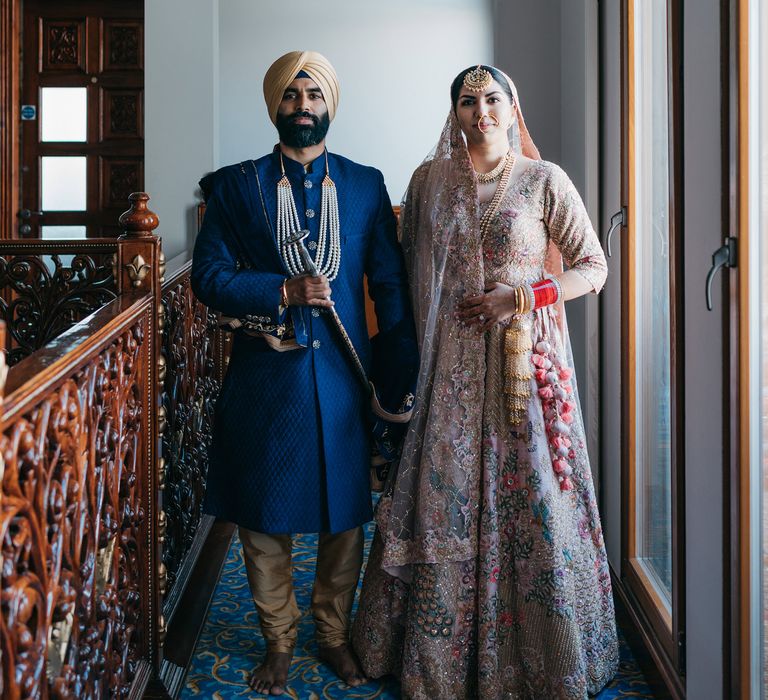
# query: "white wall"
[[395, 62], [180, 113], [528, 49]]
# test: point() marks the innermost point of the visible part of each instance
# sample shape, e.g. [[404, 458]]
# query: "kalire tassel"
[[517, 367]]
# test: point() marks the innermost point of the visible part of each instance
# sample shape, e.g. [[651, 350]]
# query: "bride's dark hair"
[[496, 74]]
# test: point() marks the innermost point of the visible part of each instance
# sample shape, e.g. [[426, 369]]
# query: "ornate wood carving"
[[123, 177], [74, 519], [43, 295], [122, 115], [190, 390], [125, 45], [62, 46]]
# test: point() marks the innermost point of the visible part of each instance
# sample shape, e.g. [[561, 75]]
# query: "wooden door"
[[82, 149]]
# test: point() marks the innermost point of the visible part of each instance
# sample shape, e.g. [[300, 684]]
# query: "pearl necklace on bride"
[[328, 255]]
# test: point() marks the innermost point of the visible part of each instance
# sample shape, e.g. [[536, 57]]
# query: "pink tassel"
[[539, 360]]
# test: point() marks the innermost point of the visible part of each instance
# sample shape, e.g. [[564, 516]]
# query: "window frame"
[[665, 627]]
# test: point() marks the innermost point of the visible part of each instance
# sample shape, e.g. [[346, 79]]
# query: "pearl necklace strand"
[[327, 263]]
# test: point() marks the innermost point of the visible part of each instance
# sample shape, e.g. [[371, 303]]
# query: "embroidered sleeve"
[[571, 230]]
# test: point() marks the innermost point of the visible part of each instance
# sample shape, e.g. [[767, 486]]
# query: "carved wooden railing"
[[48, 286], [79, 598], [104, 434], [191, 369]]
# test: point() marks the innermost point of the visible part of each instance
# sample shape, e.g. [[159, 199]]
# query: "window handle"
[[724, 256], [26, 213], [617, 220]]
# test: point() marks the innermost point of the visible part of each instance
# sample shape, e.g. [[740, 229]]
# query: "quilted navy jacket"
[[291, 445]]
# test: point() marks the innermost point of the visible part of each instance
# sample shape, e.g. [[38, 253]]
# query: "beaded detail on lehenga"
[[529, 613]]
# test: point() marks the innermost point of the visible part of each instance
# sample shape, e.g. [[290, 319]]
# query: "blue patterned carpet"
[[230, 644]]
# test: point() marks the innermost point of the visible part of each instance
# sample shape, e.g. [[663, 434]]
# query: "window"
[[652, 561]]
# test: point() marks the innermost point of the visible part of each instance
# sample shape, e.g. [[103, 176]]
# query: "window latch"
[[618, 219], [725, 256]]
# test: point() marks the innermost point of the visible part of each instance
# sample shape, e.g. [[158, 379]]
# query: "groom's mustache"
[[305, 115]]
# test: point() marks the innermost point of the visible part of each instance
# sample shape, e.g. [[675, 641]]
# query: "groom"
[[291, 445]]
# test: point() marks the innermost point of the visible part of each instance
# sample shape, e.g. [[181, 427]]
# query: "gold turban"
[[284, 71]]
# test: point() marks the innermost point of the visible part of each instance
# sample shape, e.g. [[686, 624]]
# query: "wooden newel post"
[[139, 260], [139, 266], [139, 221]]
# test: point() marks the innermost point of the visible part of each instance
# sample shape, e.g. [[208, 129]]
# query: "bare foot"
[[343, 662], [271, 677]]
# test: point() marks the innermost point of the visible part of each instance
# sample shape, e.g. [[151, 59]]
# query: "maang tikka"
[[478, 79]]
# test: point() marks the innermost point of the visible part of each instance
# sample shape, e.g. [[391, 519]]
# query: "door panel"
[[83, 152]]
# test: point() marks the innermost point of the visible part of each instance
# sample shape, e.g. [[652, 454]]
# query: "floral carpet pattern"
[[230, 644]]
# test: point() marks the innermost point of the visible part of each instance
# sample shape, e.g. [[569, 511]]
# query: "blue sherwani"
[[291, 445]]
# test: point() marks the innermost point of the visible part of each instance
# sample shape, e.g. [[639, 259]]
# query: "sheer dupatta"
[[430, 510]]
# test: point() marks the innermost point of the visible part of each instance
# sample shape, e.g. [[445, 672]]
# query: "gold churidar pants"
[[268, 565]]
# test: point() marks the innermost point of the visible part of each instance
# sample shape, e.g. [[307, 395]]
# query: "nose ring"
[[490, 116]]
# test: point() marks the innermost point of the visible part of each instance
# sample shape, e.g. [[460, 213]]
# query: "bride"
[[488, 576]]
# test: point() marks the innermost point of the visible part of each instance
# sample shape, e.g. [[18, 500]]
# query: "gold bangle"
[[284, 294], [519, 308]]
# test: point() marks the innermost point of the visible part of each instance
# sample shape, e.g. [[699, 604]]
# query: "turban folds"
[[284, 71]]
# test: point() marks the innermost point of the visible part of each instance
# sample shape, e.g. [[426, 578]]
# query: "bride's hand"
[[486, 310]]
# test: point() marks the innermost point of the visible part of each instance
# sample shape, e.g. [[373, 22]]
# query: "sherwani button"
[[308, 184], [310, 213], [316, 313], [316, 344], [312, 245]]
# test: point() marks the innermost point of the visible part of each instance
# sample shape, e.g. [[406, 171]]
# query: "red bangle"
[[545, 293]]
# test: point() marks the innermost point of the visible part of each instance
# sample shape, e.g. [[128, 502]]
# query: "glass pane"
[[59, 233], [64, 114], [63, 181], [652, 332]]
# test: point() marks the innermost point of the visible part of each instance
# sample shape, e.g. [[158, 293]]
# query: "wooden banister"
[[104, 427]]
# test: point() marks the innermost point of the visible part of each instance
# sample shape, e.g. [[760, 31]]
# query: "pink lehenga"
[[488, 576]]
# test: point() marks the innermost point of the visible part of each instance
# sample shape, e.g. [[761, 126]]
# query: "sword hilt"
[[297, 238]]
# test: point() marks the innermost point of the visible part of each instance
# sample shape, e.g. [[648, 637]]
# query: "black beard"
[[302, 135]]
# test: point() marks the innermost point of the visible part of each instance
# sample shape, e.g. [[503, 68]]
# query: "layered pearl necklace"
[[328, 255], [495, 174]]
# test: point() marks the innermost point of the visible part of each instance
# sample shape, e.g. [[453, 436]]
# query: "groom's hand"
[[308, 291]]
